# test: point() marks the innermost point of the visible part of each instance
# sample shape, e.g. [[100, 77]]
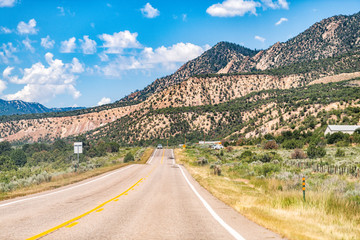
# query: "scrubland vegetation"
[[24, 168], [264, 182]]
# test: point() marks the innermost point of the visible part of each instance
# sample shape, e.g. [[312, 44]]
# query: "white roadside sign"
[[78, 147]]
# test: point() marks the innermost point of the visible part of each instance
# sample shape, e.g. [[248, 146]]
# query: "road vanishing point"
[[157, 200]]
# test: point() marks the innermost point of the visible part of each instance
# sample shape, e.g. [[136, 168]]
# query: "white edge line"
[[152, 156], [234, 233], [52, 193], [173, 157]]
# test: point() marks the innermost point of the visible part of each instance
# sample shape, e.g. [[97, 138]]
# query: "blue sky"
[[85, 53]]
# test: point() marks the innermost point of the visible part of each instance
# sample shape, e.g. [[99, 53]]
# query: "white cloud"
[[103, 57], [61, 10], [27, 43], [44, 83], [68, 46], [7, 3], [2, 86], [275, 5], [162, 57], [281, 21], [88, 45], [232, 8], [6, 30], [76, 66], [184, 17], [27, 28], [6, 52], [7, 71], [284, 4], [261, 39], [47, 43], [104, 100], [118, 41], [149, 11]]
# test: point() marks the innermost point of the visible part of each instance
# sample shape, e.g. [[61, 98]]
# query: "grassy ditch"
[[269, 193], [45, 178]]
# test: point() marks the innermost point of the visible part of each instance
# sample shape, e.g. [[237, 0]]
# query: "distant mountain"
[[330, 37], [20, 107], [211, 61]]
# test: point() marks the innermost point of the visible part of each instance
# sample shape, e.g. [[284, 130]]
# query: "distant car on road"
[[217, 146], [159, 146]]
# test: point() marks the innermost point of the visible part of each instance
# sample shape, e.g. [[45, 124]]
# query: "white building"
[[209, 142], [350, 129]]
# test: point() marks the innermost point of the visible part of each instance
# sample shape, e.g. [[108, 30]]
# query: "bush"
[[315, 151], [266, 169], [298, 154], [340, 153], [18, 157], [292, 144], [271, 145], [129, 157], [5, 147]]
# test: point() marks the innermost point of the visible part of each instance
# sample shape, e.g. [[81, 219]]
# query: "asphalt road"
[[157, 200]]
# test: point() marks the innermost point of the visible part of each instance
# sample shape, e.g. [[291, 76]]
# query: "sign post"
[[303, 188], [78, 148]]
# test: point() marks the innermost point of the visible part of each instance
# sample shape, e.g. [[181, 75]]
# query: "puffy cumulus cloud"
[[7, 3], [27, 43], [281, 21], [44, 83], [149, 11], [47, 43], [149, 58], [68, 46], [168, 56], [27, 28], [7, 52], [118, 41], [104, 100], [232, 8], [6, 30], [275, 5], [88, 45], [261, 39]]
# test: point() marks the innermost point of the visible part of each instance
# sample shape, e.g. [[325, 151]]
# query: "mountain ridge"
[[18, 107]]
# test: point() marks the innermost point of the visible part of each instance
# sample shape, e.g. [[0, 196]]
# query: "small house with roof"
[[349, 129]]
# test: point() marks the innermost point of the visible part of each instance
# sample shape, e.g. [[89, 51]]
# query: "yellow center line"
[[72, 222], [82, 215], [162, 158], [99, 210]]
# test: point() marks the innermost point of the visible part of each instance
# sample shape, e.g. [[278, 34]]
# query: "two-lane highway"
[[157, 200]]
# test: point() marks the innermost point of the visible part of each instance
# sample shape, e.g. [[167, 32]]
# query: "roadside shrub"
[[266, 169], [129, 157], [292, 144], [247, 156], [271, 145], [298, 154], [340, 153], [314, 151], [229, 149]]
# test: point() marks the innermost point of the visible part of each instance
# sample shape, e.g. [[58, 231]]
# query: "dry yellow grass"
[[69, 178], [283, 212]]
